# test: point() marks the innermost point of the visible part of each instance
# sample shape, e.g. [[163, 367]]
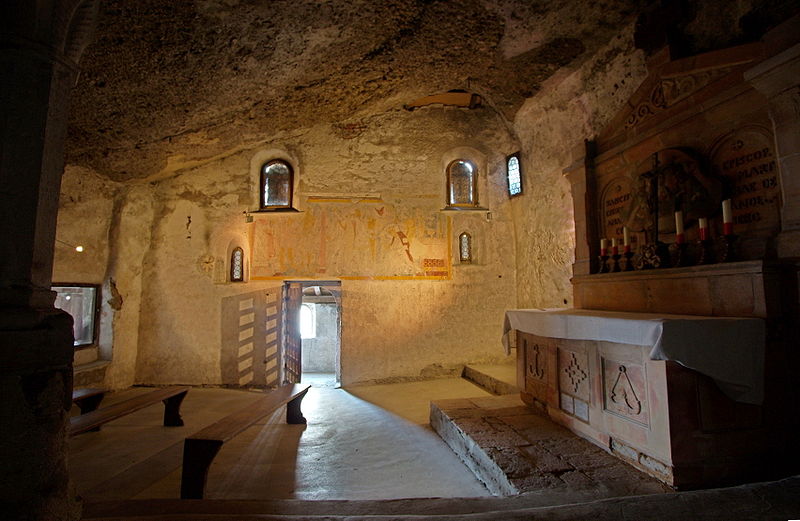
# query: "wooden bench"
[[88, 399], [171, 396], [200, 448]]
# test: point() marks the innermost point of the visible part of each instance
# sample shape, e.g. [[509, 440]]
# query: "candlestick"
[[679, 222], [628, 259], [703, 223], [727, 217]]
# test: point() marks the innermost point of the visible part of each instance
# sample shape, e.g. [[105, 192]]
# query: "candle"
[[614, 249], [679, 227], [626, 236], [603, 246], [703, 223], [727, 217]]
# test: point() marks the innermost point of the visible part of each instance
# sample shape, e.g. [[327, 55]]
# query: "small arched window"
[[237, 265], [462, 184], [465, 248], [277, 178], [514, 175]]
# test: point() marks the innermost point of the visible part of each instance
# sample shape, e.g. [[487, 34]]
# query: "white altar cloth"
[[729, 350]]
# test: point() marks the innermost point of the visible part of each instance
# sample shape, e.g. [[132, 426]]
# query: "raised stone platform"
[[496, 379], [514, 450]]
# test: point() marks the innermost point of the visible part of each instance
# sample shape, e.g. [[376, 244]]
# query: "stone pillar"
[[581, 179], [778, 78], [39, 44]]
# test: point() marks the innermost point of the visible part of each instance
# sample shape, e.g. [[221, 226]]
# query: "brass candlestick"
[[615, 264], [706, 251], [603, 264], [679, 257], [728, 253], [628, 260]]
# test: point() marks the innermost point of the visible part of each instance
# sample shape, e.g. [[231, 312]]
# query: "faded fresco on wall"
[[352, 238]]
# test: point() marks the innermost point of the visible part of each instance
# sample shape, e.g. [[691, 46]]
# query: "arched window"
[[308, 321], [462, 184], [465, 247], [237, 265], [277, 179], [514, 175]]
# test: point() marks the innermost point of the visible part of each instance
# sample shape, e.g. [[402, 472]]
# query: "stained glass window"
[[465, 247], [462, 183], [237, 265], [276, 185], [514, 175]]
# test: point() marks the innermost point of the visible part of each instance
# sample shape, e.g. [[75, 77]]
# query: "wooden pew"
[[171, 396], [200, 448], [88, 399]]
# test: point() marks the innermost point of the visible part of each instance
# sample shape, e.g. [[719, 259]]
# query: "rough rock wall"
[[112, 222], [552, 126], [170, 241]]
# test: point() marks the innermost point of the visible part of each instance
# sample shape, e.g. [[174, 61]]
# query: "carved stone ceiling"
[[166, 84]]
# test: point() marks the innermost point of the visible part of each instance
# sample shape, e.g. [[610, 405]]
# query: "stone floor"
[[368, 442], [513, 450], [368, 454]]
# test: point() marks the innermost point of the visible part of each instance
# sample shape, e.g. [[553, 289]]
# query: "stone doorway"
[[317, 331]]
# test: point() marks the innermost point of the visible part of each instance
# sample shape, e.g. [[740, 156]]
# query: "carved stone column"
[[39, 45], [778, 78]]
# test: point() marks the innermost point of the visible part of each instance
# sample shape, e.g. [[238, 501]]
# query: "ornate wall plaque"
[[625, 391], [746, 159]]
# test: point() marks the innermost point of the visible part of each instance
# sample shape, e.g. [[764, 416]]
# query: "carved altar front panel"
[[574, 382], [540, 368], [625, 390]]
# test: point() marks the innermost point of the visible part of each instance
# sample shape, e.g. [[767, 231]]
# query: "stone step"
[[513, 450], [755, 502], [496, 379]]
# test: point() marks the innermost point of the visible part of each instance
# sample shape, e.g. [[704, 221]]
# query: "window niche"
[[465, 248], [237, 265], [514, 175], [81, 302], [462, 184], [276, 186]]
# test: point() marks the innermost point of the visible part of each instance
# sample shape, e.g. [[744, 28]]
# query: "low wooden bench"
[[88, 399], [171, 396], [200, 448]]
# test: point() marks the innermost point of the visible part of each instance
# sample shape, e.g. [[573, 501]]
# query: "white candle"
[[727, 214], [626, 236], [613, 242], [703, 223], [603, 244], [679, 222]]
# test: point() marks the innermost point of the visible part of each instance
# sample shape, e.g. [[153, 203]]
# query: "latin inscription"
[[747, 160], [614, 206]]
